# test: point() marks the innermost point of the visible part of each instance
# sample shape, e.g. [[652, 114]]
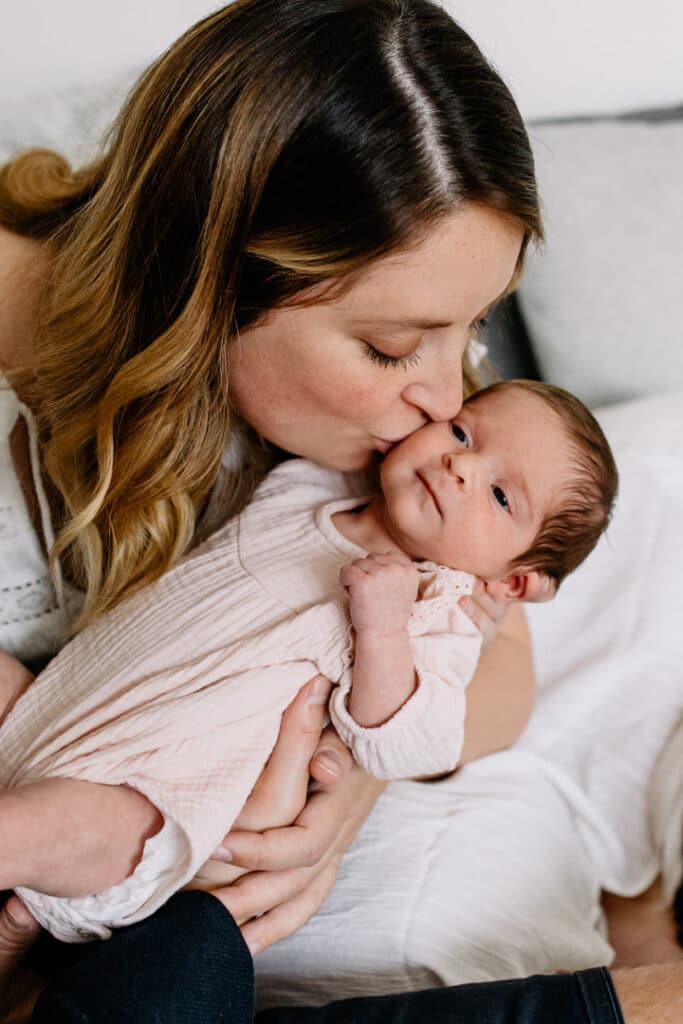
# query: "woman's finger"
[[260, 892], [276, 849], [280, 792], [494, 608], [486, 613], [332, 759], [18, 931], [18, 990], [300, 845], [287, 918]]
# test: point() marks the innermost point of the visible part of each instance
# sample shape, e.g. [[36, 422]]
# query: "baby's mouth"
[[425, 484]]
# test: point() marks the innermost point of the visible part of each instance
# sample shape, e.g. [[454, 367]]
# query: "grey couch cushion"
[[603, 301]]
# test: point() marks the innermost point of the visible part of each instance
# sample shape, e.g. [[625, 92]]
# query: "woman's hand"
[[289, 839], [18, 990], [486, 613]]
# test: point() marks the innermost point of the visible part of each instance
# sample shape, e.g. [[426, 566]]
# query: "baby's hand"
[[382, 589]]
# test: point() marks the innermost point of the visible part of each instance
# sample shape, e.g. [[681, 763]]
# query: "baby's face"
[[473, 493]]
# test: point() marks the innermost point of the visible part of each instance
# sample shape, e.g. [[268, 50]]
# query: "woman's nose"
[[437, 395]]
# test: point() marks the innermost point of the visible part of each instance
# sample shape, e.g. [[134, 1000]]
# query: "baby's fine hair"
[[570, 532]]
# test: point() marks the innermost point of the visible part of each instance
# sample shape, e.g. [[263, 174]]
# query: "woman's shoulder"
[[23, 263]]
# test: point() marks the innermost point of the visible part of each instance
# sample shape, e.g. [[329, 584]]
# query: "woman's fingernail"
[[254, 947], [223, 853], [319, 691], [329, 761]]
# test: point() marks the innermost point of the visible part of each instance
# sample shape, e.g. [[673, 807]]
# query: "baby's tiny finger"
[[473, 611]]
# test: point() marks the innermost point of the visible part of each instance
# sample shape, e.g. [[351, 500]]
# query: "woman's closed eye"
[[500, 497], [385, 360]]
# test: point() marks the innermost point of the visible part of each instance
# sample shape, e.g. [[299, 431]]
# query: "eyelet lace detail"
[[34, 608]]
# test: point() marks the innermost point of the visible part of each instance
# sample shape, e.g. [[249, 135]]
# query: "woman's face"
[[338, 380]]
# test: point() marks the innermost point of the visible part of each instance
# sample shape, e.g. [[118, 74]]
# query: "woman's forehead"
[[461, 266]]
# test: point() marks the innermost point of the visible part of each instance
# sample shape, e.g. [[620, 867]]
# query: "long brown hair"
[[277, 145]]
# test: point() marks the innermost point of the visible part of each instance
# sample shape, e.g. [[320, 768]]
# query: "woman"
[[304, 214]]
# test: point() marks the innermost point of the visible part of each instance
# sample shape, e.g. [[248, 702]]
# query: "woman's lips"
[[383, 446], [425, 483]]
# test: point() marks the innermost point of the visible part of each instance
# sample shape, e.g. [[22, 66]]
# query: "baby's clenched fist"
[[382, 591]]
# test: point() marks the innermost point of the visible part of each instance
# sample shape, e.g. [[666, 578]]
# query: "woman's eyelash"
[[400, 362]]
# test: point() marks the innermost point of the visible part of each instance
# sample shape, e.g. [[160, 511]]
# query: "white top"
[[33, 610]]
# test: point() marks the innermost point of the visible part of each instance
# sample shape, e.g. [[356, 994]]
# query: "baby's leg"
[[67, 837], [14, 679]]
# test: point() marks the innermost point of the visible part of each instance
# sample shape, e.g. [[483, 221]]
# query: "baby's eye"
[[499, 495], [460, 435]]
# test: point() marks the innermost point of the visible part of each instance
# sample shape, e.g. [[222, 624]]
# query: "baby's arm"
[[382, 591], [66, 837], [14, 679]]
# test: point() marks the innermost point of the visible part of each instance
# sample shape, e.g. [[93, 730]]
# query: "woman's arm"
[[66, 837], [501, 695]]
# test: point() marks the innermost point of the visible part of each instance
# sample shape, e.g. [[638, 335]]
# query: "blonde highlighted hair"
[[277, 145]]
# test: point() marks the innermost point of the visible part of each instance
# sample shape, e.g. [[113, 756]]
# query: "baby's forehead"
[[531, 405], [513, 397]]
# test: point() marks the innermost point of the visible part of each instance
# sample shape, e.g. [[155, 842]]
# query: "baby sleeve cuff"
[[424, 737]]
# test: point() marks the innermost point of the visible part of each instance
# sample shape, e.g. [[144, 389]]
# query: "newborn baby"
[[178, 692]]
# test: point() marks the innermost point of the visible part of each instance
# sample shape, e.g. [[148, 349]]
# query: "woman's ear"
[[522, 586]]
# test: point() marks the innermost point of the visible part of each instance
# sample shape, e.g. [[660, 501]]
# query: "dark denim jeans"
[[188, 965]]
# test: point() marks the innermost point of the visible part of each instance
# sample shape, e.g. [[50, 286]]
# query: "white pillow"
[[609, 648], [73, 122], [603, 300]]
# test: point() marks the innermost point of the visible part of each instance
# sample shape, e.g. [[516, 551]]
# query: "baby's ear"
[[522, 586]]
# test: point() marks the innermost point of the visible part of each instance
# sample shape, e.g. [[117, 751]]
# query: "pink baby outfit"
[[178, 692]]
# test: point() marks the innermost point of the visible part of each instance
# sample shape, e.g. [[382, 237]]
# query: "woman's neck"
[[365, 526]]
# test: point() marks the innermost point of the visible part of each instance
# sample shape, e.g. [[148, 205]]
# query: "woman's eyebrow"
[[408, 322]]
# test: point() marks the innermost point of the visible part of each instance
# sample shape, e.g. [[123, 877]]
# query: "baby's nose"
[[455, 467]]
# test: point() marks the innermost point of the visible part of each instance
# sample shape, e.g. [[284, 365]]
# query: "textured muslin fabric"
[[179, 691]]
